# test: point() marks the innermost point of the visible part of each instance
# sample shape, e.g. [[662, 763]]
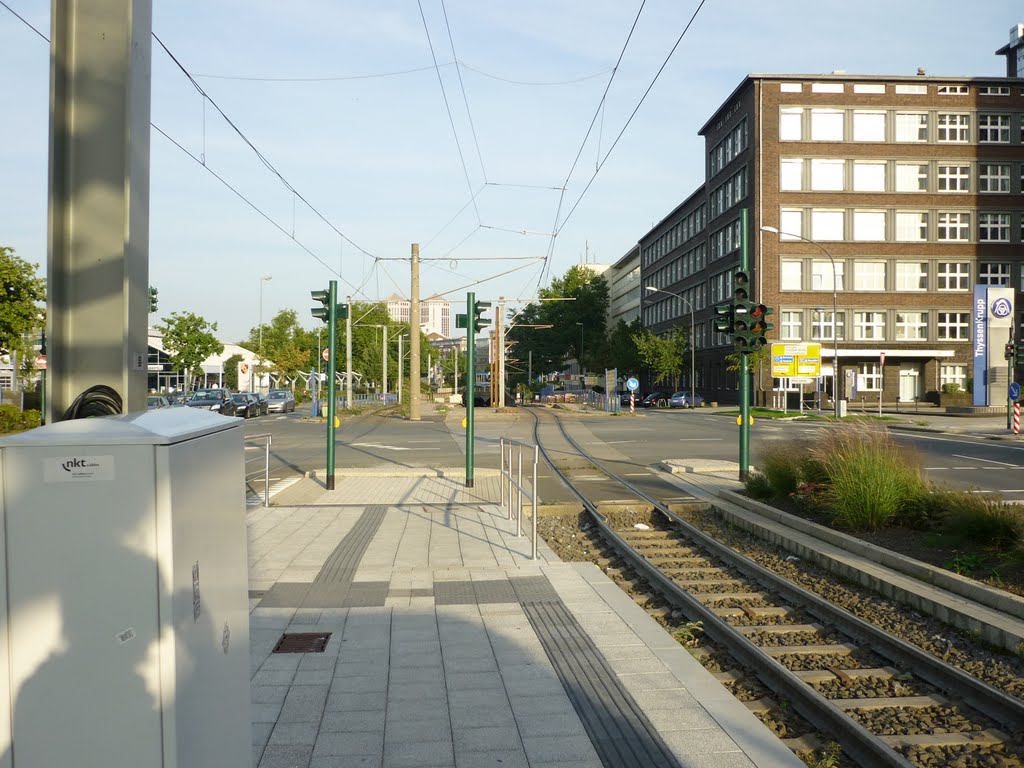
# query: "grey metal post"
[[510, 481], [348, 354], [533, 548], [98, 220], [266, 473], [501, 481], [414, 337], [519, 502]]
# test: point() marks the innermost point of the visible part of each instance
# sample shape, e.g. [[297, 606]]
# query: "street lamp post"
[[693, 359], [259, 346], [836, 378]]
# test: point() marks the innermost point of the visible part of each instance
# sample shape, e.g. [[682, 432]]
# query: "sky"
[[380, 140]]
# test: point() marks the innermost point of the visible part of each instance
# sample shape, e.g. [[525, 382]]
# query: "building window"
[[954, 178], [791, 126], [869, 87], [911, 177], [826, 224], [953, 275], [791, 222], [869, 377], [827, 124], [952, 326], [791, 276], [953, 374], [868, 326], [994, 227], [821, 276], [993, 177], [994, 90], [868, 126], [791, 87], [823, 329], [911, 326], [954, 226], [990, 273], [911, 126], [791, 326], [826, 87], [870, 177], [911, 226], [953, 128], [911, 276], [993, 129], [791, 175], [952, 90], [869, 276], [869, 225], [827, 175]]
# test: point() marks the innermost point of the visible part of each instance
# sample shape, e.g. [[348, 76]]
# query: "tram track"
[[884, 700]]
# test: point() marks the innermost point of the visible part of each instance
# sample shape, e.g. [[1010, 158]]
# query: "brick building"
[[891, 197]]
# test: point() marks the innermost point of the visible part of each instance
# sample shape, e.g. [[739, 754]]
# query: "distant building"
[[624, 288], [435, 313]]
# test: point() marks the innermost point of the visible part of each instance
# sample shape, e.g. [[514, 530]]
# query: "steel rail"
[[856, 740]]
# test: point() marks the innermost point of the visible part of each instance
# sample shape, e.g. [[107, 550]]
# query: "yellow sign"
[[465, 422], [739, 420], [796, 359], [337, 422]]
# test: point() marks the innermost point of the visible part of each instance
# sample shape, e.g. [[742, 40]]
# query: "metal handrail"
[[266, 466], [509, 484]]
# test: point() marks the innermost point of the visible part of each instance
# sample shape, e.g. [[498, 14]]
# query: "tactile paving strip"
[[342, 563], [618, 728]]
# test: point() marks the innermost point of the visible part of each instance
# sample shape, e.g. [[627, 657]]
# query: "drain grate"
[[302, 642]]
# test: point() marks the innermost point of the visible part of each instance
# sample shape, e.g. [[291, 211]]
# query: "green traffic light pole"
[[744, 360], [470, 383], [332, 365]]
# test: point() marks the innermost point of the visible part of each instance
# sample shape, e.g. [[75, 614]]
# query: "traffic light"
[[743, 338], [321, 313], [479, 323], [723, 318], [1018, 352], [759, 325], [152, 299], [343, 311], [1009, 351]]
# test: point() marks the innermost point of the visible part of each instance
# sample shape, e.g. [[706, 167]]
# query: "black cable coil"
[[99, 400]]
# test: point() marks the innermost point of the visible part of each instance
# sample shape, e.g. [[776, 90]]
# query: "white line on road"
[[979, 458], [636, 474], [696, 439], [423, 441], [617, 442]]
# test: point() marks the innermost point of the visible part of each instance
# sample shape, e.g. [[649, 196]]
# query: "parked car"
[[246, 405], [156, 401], [213, 399], [686, 400], [654, 398], [262, 407], [280, 401]]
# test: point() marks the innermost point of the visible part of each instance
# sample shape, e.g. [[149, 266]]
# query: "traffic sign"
[[326, 354], [632, 384], [1014, 391], [41, 363], [800, 359]]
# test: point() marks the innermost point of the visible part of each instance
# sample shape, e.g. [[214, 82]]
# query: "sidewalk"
[[445, 645]]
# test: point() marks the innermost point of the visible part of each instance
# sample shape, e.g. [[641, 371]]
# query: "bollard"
[[519, 505], [501, 476], [533, 549]]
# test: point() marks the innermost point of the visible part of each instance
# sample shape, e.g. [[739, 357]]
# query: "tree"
[[189, 339], [664, 356], [231, 371], [286, 345], [622, 350], [759, 366], [21, 294]]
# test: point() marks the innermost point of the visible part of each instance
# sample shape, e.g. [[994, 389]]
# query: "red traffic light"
[[758, 310]]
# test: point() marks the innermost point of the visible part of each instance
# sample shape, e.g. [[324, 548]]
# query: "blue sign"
[[632, 384], [1001, 307], [1014, 391]]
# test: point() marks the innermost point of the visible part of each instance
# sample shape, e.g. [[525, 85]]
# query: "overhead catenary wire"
[[447, 106], [465, 99]]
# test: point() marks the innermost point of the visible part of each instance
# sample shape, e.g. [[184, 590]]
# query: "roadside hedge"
[[13, 419]]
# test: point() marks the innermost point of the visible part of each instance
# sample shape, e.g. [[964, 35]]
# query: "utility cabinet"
[[124, 593]]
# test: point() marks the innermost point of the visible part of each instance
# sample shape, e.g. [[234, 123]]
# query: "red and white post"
[[632, 402], [1016, 418]]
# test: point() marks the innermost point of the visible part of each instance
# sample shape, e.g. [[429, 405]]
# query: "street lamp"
[[836, 379], [693, 363], [259, 346]]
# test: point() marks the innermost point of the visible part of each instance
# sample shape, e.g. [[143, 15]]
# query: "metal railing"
[[514, 486], [254, 475]]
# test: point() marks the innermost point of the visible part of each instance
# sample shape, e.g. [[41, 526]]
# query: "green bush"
[[985, 521], [758, 486], [871, 479], [12, 419], [782, 470], [951, 389]]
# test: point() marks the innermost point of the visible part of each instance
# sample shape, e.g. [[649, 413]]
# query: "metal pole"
[[332, 384], [266, 473], [501, 453], [384, 364], [470, 384], [401, 364], [499, 324], [414, 339], [510, 481], [348, 354], [533, 548], [519, 496], [693, 361], [744, 362]]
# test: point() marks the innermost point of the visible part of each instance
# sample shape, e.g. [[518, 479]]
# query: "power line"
[[533, 83], [324, 78], [600, 104], [661, 69], [465, 100], [522, 186], [447, 107], [483, 280], [20, 18], [453, 218], [253, 147]]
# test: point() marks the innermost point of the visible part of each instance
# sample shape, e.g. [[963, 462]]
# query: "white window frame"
[[828, 175], [994, 273], [953, 276], [952, 326], [824, 121], [953, 374], [952, 226], [791, 118], [821, 325], [868, 326], [911, 177], [791, 275], [822, 274], [869, 275], [918, 226], [953, 128], [993, 227], [911, 276], [952, 90], [791, 220], [824, 223], [911, 127], [869, 125], [791, 174], [993, 178], [953, 177], [791, 323], [869, 377], [868, 226], [993, 129], [911, 326], [869, 176]]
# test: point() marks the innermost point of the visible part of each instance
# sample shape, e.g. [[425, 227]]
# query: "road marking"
[[696, 439], [636, 474], [978, 458], [618, 442], [380, 447], [423, 441]]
